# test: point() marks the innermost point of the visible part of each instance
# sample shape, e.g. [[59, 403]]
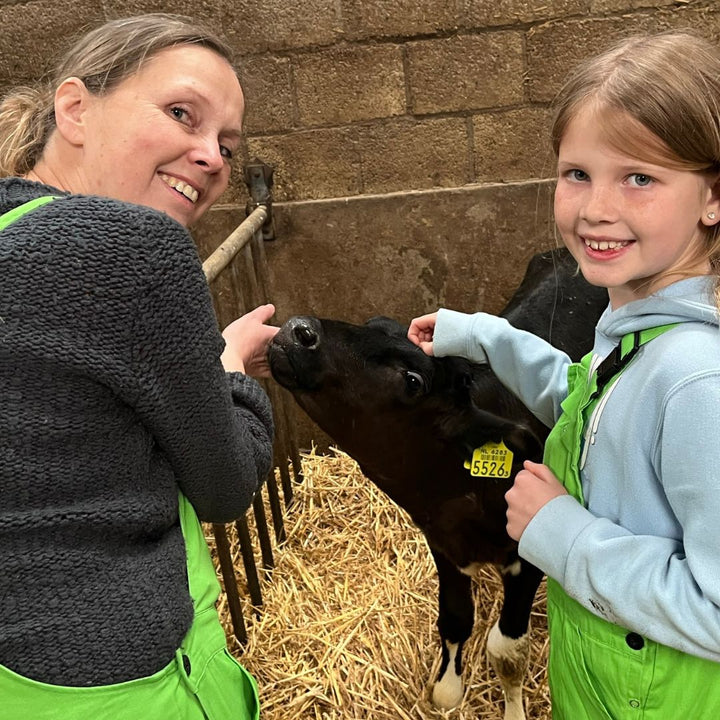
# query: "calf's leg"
[[508, 644], [455, 621]]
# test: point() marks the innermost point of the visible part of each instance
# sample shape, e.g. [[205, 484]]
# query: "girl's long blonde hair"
[[102, 59], [658, 97]]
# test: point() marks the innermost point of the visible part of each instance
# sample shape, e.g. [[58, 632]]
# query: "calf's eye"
[[414, 382]]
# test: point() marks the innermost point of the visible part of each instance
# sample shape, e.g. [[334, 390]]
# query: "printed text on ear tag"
[[492, 460]]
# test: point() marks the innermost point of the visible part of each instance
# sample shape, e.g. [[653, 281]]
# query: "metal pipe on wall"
[[235, 242]]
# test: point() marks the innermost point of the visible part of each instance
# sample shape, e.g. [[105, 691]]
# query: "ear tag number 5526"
[[492, 460]]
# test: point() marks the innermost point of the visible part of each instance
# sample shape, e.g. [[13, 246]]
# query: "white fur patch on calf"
[[448, 690], [509, 658], [472, 569]]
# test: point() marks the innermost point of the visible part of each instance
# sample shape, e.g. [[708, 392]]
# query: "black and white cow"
[[412, 422]]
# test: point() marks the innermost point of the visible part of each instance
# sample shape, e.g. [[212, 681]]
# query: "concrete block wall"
[[408, 137], [395, 96]]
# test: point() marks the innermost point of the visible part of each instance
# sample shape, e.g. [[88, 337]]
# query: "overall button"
[[186, 665], [634, 641], [634, 703]]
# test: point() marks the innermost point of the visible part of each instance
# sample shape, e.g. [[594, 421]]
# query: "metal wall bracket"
[[259, 180]]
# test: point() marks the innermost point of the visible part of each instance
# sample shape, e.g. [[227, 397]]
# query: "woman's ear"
[[71, 102]]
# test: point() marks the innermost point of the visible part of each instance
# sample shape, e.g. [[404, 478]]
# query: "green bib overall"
[[202, 682], [597, 670]]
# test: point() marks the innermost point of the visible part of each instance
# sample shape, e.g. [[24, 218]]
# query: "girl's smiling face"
[[164, 137], [630, 224]]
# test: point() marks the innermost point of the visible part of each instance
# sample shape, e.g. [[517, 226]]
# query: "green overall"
[[202, 682], [598, 670]]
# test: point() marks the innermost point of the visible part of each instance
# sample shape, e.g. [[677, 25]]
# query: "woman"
[[122, 416]]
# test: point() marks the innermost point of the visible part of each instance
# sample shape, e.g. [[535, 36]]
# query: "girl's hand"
[[421, 332], [246, 342], [534, 487]]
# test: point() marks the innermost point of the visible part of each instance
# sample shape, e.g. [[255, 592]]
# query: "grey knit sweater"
[[112, 397]]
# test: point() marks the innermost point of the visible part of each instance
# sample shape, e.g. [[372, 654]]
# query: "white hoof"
[[448, 691], [514, 708]]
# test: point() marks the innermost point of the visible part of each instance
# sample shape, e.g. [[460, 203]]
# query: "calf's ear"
[[387, 325], [525, 444], [479, 427]]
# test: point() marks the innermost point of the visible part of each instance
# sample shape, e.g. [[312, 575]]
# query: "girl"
[[622, 515], [120, 421]]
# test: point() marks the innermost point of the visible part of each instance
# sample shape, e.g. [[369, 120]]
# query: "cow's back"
[[555, 302]]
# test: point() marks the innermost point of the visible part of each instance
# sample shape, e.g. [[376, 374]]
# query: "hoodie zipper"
[[594, 422]]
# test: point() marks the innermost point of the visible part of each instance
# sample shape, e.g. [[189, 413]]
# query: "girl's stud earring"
[[711, 215]]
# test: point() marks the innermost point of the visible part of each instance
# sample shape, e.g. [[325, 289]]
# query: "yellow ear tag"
[[492, 460]]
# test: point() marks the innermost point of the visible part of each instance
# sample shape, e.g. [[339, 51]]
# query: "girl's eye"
[[640, 180], [226, 152], [578, 175]]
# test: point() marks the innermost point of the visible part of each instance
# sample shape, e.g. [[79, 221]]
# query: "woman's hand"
[[421, 332], [534, 487], [246, 342]]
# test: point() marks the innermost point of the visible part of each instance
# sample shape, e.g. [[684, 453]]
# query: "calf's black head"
[[385, 402]]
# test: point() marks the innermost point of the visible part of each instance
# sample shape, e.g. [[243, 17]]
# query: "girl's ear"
[[71, 102], [711, 216]]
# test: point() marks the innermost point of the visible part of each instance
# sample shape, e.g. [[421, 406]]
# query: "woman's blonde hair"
[[658, 99], [102, 59]]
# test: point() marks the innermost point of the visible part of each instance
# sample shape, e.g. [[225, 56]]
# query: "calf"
[[413, 422]]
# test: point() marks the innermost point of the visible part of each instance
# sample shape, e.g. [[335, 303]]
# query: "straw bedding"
[[347, 629]]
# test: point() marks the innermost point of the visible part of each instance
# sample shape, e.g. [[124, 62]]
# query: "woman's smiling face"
[[628, 223], [164, 137]]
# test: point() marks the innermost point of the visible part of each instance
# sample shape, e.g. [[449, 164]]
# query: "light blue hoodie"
[[645, 553]]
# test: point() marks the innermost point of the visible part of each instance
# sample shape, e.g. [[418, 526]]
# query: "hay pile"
[[347, 630]]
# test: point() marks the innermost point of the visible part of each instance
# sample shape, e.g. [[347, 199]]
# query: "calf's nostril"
[[306, 336]]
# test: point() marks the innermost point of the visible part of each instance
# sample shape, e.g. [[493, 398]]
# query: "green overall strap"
[[16, 213], [564, 443]]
